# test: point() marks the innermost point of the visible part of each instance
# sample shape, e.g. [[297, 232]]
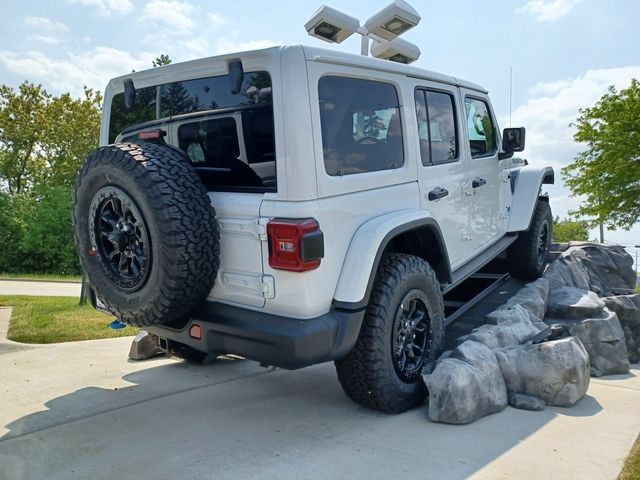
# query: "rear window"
[[189, 96], [228, 138], [360, 123]]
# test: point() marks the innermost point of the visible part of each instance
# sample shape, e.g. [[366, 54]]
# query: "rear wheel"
[[402, 330], [528, 255]]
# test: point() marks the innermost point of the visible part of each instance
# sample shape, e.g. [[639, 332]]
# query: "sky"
[[563, 54]]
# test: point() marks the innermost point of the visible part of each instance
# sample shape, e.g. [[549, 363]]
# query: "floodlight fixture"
[[393, 20], [331, 25], [397, 50]]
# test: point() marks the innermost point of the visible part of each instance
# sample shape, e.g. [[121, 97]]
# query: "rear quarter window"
[[360, 125]]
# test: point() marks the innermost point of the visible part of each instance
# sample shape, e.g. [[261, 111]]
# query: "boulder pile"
[[541, 347]]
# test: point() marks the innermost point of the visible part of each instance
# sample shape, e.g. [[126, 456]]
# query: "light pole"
[[384, 27]]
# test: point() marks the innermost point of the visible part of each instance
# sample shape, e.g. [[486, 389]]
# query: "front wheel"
[[528, 255], [402, 330]]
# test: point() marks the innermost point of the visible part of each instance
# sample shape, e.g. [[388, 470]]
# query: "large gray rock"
[[508, 326], [604, 340], [632, 337], [525, 402], [603, 269], [533, 297], [466, 385], [144, 346], [627, 307], [542, 287], [572, 302], [556, 372]]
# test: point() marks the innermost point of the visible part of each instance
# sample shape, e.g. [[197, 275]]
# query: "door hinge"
[[465, 234], [505, 176], [467, 189], [268, 287], [504, 214], [261, 228]]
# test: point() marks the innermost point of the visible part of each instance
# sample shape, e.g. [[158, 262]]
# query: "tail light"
[[152, 135], [295, 244]]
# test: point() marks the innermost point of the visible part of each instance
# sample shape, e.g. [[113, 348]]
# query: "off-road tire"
[[367, 374], [183, 248], [525, 259]]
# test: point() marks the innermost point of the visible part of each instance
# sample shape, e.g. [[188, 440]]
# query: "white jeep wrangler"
[[350, 195]]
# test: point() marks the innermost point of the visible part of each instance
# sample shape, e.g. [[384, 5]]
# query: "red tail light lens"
[[152, 134], [295, 244]]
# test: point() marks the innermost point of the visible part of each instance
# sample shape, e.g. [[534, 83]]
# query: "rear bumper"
[[279, 341]]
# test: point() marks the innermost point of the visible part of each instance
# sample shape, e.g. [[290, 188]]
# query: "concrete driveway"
[[82, 410], [25, 287]]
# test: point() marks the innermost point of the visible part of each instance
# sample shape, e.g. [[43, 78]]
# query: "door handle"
[[478, 182], [437, 193]]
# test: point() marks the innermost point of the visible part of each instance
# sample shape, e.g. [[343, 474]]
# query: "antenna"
[[510, 92]]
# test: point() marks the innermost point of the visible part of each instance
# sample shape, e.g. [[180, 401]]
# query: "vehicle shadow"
[[235, 419]]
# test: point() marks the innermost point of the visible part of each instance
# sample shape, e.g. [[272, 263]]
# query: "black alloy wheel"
[[119, 235], [412, 335], [543, 243]]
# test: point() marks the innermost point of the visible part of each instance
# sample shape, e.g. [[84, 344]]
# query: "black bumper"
[[279, 341]]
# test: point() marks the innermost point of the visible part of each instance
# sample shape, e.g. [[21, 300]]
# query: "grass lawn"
[[631, 470], [41, 276], [57, 319]]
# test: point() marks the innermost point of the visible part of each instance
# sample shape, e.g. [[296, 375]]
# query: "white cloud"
[[552, 106], [44, 39], [93, 68], [548, 10], [105, 8], [174, 14], [45, 24], [216, 18]]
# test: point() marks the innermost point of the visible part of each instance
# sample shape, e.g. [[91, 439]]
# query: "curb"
[[39, 280]]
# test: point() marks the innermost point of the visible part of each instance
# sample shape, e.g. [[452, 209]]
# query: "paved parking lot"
[[83, 410]]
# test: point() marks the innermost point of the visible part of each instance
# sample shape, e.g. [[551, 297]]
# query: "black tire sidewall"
[[418, 281], [368, 374], [94, 265], [542, 215], [181, 228]]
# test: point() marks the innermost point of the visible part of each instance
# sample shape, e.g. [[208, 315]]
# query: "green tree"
[[162, 60], [566, 230], [43, 138], [22, 115], [73, 132], [43, 141], [607, 173]]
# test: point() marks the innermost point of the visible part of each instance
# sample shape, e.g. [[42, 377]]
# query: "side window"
[[436, 126], [257, 127], [213, 148], [212, 143], [481, 128], [360, 123]]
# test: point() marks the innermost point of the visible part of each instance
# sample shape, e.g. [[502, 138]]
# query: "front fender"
[[525, 195], [366, 248]]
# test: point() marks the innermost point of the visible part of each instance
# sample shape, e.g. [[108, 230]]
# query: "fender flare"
[[526, 191], [366, 248]]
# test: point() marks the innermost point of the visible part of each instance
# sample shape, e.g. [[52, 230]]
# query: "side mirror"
[[513, 139]]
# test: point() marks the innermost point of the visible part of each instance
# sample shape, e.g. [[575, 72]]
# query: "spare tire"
[[146, 232]]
